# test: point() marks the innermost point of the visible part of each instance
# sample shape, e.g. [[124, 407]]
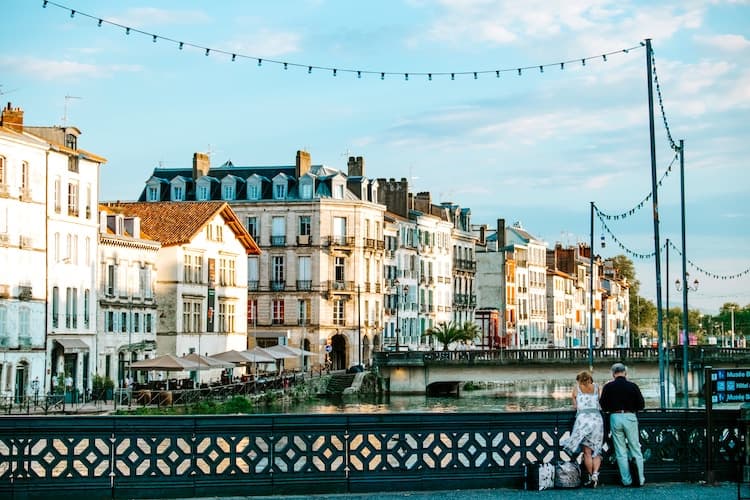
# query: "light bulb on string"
[[154, 38], [99, 24], [519, 71], [72, 13], [234, 56], [127, 31], [181, 45]]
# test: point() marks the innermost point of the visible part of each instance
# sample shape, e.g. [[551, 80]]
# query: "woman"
[[588, 429]]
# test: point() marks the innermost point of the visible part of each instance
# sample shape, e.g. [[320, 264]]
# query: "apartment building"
[[318, 279], [201, 274], [23, 194], [127, 309], [615, 307]]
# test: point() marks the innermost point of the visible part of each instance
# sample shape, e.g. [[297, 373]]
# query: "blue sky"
[[535, 148]]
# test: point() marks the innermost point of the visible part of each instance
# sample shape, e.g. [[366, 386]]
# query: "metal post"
[[359, 326], [666, 300], [732, 309], [686, 337], [655, 204], [398, 306], [591, 292]]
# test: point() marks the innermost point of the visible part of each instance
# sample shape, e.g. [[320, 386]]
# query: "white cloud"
[[142, 16], [50, 70], [266, 43], [728, 43]]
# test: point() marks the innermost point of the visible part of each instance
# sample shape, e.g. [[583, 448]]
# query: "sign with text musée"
[[731, 385]]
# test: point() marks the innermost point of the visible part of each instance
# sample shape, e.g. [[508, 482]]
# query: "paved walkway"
[[662, 491]]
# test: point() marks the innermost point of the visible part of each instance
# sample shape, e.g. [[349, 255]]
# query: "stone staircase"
[[339, 382]]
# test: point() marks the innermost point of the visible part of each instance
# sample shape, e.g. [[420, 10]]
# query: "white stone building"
[[126, 313], [201, 275], [22, 258]]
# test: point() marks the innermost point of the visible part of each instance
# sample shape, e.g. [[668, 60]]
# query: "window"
[[87, 251], [204, 192], [338, 312], [278, 231], [277, 273], [178, 193], [252, 274], [109, 321], [191, 316], [86, 307], [278, 311], [338, 191], [152, 193], [58, 195], [303, 312], [252, 227], [148, 322], [253, 190], [88, 201], [55, 307], [304, 225], [136, 322], [111, 273], [252, 310], [68, 307], [25, 185], [73, 199], [339, 230], [227, 192], [3, 320], [305, 188], [193, 268], [24, 319], [71, 141], [227, 272], [226, 317], [304, 280], [3, 180], [123, 322], [279, 191], [338, 267]]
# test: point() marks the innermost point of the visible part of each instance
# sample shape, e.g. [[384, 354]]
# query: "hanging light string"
[[640, 205], [625, 249], [672, 144], [334, 70], [708, 273]]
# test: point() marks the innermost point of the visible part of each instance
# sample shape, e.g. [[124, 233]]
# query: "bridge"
[[419, 372]]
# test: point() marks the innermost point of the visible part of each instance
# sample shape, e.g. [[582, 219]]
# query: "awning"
[[72, 345]]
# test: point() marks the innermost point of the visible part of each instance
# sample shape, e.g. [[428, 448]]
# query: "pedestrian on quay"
[[588, 429], [622, 398]]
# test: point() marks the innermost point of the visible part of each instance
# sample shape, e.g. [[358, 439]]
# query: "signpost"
[[725, 385]]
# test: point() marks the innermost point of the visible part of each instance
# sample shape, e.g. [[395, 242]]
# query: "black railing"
[[192, 456]]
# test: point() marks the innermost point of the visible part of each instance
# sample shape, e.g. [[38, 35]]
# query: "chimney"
[[201, 165], [500, 234], [303, 163], [12, 118], [356, 166]]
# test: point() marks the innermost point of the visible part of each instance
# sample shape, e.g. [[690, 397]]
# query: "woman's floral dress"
[[588, 429]]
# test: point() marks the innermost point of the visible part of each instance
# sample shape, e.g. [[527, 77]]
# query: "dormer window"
[[228, 188], [178, 193], [338, 191], [305, 188], [227, 193], [279, 191], [204, 192], [152, 193], [71, 141], [254, 187]]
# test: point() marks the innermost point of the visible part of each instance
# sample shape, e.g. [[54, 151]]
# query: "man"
[[621, 398]]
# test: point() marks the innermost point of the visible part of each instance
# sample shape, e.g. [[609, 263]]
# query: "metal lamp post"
[[684, 286]]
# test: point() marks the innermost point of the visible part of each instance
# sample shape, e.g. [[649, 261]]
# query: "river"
[[506, 397]]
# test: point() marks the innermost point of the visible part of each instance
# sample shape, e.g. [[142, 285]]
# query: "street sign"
[[731, 385]]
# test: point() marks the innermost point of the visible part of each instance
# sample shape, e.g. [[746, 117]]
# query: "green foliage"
[[237, 404], [448, 333]]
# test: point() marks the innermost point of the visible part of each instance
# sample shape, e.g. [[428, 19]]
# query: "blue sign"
[[731, 385]]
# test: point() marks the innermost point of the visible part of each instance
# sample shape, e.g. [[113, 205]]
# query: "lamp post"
[[731, 308], [684, 286], [398, 307]]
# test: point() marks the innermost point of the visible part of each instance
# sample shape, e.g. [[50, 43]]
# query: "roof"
[[178, 222]]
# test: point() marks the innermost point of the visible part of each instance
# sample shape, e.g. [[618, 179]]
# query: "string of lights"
[[641, 204], [708, 273], [622, 246], [234, 56], [672, 144]]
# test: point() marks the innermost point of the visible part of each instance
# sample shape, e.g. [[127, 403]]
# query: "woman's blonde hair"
[[584, 376]]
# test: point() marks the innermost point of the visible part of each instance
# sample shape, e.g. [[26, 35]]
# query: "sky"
[[535, 148]]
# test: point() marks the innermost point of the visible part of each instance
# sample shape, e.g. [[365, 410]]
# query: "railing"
[[697, 355], [196, 456]]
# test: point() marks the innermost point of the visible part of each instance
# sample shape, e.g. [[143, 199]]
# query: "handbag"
[[567, 474], [540, 476]]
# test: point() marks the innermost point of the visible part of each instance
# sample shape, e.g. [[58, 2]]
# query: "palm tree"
[[471, 330], [447, 333]]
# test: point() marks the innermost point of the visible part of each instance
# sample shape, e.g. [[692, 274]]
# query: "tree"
[[471, 330], [641, 309], [447, 333]]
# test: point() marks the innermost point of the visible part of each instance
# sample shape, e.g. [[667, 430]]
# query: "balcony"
[[26, 242], [278, 241], [304, 285], [341, 241], [252, 286], [72, 210], [464, 265], [4, 192], [4, 239], [304, 240], [24, 292], [340, 286], [24, 341], [278, 286], [4, 291], [374, 244], [25, 195]]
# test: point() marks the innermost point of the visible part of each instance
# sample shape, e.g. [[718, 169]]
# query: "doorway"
[[338, 352]]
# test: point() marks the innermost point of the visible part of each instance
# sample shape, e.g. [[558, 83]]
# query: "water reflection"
[[504, 397]]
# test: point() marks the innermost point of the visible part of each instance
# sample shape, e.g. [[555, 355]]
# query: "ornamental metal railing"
[[193, 456]]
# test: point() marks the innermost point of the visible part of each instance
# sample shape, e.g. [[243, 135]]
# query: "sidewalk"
[[662, 491]]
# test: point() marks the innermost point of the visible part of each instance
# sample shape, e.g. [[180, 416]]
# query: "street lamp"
[[684, 287]]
